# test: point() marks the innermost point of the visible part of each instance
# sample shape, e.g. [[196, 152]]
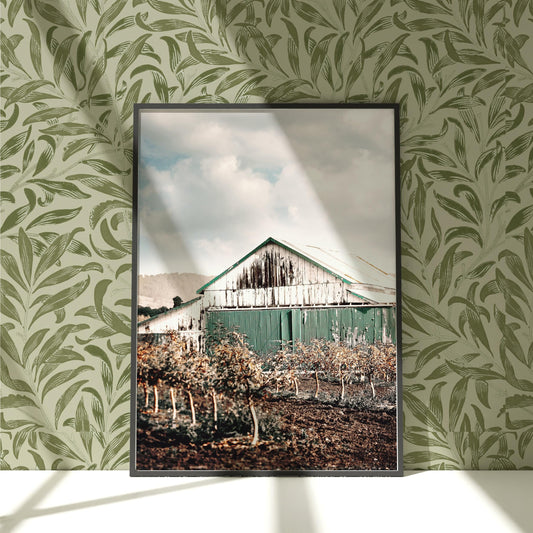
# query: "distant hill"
[[158, 290]]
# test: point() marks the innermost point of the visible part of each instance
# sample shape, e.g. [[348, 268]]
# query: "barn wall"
[[185, 318], [277, 277], [296, 296], [364, 324], [265, 329], [273, 266]]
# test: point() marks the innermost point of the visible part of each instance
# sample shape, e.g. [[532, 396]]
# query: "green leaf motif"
[[54, 252], [52, 14], [431, 352], [14, 384], [13, 145], [520, 219], [428, 313], [457, 401], [61, 378], [61, 299], [70, 128], [57, 216], [130, 55], [57, 446], [455, 209], [446, 271]]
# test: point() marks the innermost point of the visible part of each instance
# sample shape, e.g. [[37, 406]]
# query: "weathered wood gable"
[[275, 276]]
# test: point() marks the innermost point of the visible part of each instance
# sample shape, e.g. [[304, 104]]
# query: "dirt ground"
[[315, 435]]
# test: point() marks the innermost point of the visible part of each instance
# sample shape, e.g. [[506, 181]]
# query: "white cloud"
[[214, 134], [223, 210], [240, 178]]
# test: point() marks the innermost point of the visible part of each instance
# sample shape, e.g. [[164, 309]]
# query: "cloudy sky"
[[215, 184]]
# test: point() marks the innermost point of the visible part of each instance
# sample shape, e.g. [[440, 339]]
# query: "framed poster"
[[266, 293]]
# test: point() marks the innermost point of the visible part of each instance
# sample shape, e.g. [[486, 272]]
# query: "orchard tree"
[[171, 359], [370, 361], [285, 368], [239, 374], [388, 364], [197, 378], [149, 370], [344, 360], [143, 370], [184, 370], [313, 356]]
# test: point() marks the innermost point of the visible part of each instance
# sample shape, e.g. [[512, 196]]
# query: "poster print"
[[266, 290]]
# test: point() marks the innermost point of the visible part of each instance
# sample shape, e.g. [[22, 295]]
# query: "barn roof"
[[366, 280], [373, 294], [349, 266]]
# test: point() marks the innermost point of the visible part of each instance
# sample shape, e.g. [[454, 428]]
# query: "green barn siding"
[[296, 321], [265, 329]]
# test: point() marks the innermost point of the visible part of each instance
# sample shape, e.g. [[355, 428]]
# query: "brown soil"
[[316, 435]]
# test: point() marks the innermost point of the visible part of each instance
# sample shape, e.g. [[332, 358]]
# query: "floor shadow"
[[511, 491], [10, 522], [27, 509], [294, 508]]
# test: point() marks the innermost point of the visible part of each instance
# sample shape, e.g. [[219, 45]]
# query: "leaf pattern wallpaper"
[[461, 71]]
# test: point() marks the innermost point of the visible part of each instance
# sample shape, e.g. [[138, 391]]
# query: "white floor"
[[102, 502]]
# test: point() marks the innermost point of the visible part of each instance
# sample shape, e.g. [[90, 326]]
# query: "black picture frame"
[[139, 110]]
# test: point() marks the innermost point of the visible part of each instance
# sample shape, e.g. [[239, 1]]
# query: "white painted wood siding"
[[186, 320], [277, 277]]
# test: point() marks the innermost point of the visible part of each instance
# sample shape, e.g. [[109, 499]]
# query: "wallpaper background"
[[70, 73]]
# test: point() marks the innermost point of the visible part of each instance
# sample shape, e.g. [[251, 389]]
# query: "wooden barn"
[[184, 319], [280, 293]]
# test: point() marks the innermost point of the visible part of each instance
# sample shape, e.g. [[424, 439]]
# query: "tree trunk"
[[296, 390], [372, 386], [317, 384], [215, 410], [146, 395], [193, 412], [173, 400], [156, 400], [255, 439], [342, 386]]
